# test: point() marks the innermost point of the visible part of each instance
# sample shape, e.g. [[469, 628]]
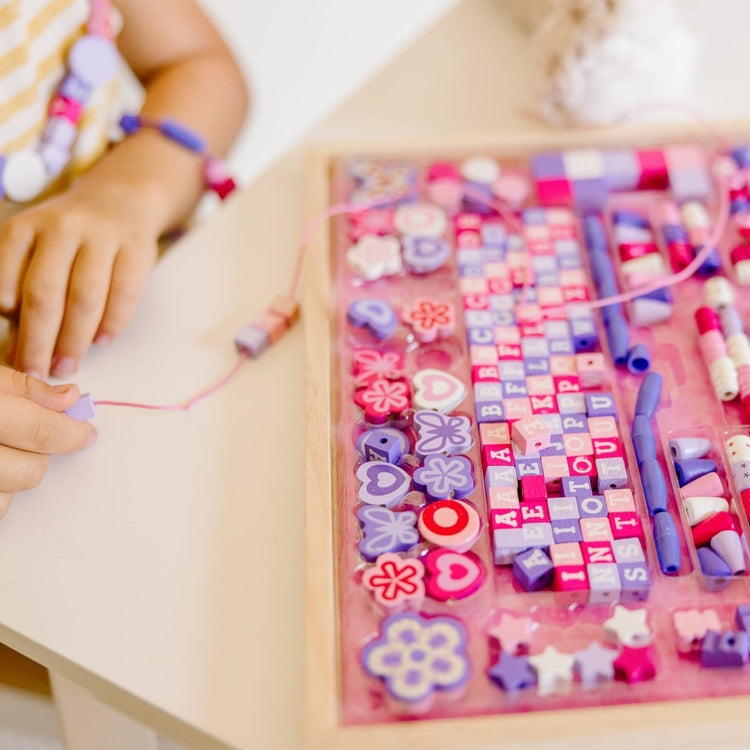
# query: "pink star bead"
[[691, 625], [635, 664], [513, 633]]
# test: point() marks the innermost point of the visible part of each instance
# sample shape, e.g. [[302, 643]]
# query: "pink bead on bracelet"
[[215, 173]]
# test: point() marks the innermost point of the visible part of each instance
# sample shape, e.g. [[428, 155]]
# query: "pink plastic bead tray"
[[474, 643]]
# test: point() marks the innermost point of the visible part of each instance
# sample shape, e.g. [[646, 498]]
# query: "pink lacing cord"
[[506, 213]]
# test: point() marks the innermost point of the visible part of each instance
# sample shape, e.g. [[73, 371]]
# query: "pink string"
[[186, 404], [337, 209], [506, 213], [720, 224]]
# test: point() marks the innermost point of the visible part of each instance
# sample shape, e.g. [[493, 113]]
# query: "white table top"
[[163, 568]]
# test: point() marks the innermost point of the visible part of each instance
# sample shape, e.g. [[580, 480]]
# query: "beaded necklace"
[[92, 63]]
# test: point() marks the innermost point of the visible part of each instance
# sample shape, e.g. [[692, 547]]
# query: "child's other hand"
[[72, 271], [32, 428]]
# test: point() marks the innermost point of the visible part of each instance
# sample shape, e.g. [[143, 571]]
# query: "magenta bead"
[[707, 319], [214, 171], [440, 170], [69, 109]]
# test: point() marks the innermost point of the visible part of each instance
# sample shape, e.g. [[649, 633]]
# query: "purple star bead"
[[512, 673]]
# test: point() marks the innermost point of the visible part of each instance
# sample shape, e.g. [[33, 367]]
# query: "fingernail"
[[63, 388], [64, 366], [34, 374], [91, 438], [103, 340]]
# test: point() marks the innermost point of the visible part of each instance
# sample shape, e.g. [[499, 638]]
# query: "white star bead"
[[554, 670], [628, 627]]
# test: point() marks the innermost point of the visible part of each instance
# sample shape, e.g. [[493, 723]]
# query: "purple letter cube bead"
[[533, 569], [726, 649]]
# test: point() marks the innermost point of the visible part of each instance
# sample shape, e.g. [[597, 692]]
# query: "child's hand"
[[72, 270], [32, 428]]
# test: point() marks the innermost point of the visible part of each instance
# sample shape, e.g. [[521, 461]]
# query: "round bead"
[[742, 272], [214, 170], [718, 293], [94, 60], [24, 176], [423, 219], [450, 524], [73, 87], [60, 131], [480, 169], [55, 158]]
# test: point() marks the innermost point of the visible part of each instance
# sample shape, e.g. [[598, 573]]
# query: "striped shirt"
[[35, 36]]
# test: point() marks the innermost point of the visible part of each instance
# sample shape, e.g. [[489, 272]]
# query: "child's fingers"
[[21, 470], [129, 275], [57, 398], [43, 300], [84, 307], [16, 240], [27, 426], [6, 498]]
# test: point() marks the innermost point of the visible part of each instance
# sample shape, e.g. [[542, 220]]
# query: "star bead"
[[554, 670], [635, 664], [512, 673], [513, 633], [628, 627], [691, 625], [595, 664]]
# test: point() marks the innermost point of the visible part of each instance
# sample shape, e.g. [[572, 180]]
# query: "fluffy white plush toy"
[[596, 61]]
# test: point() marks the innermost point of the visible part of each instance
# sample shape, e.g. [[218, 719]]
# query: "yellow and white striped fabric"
[[35, 36]]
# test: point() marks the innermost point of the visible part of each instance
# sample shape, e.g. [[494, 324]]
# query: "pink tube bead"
[[668, 212], [712, 346], [707, 319]]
